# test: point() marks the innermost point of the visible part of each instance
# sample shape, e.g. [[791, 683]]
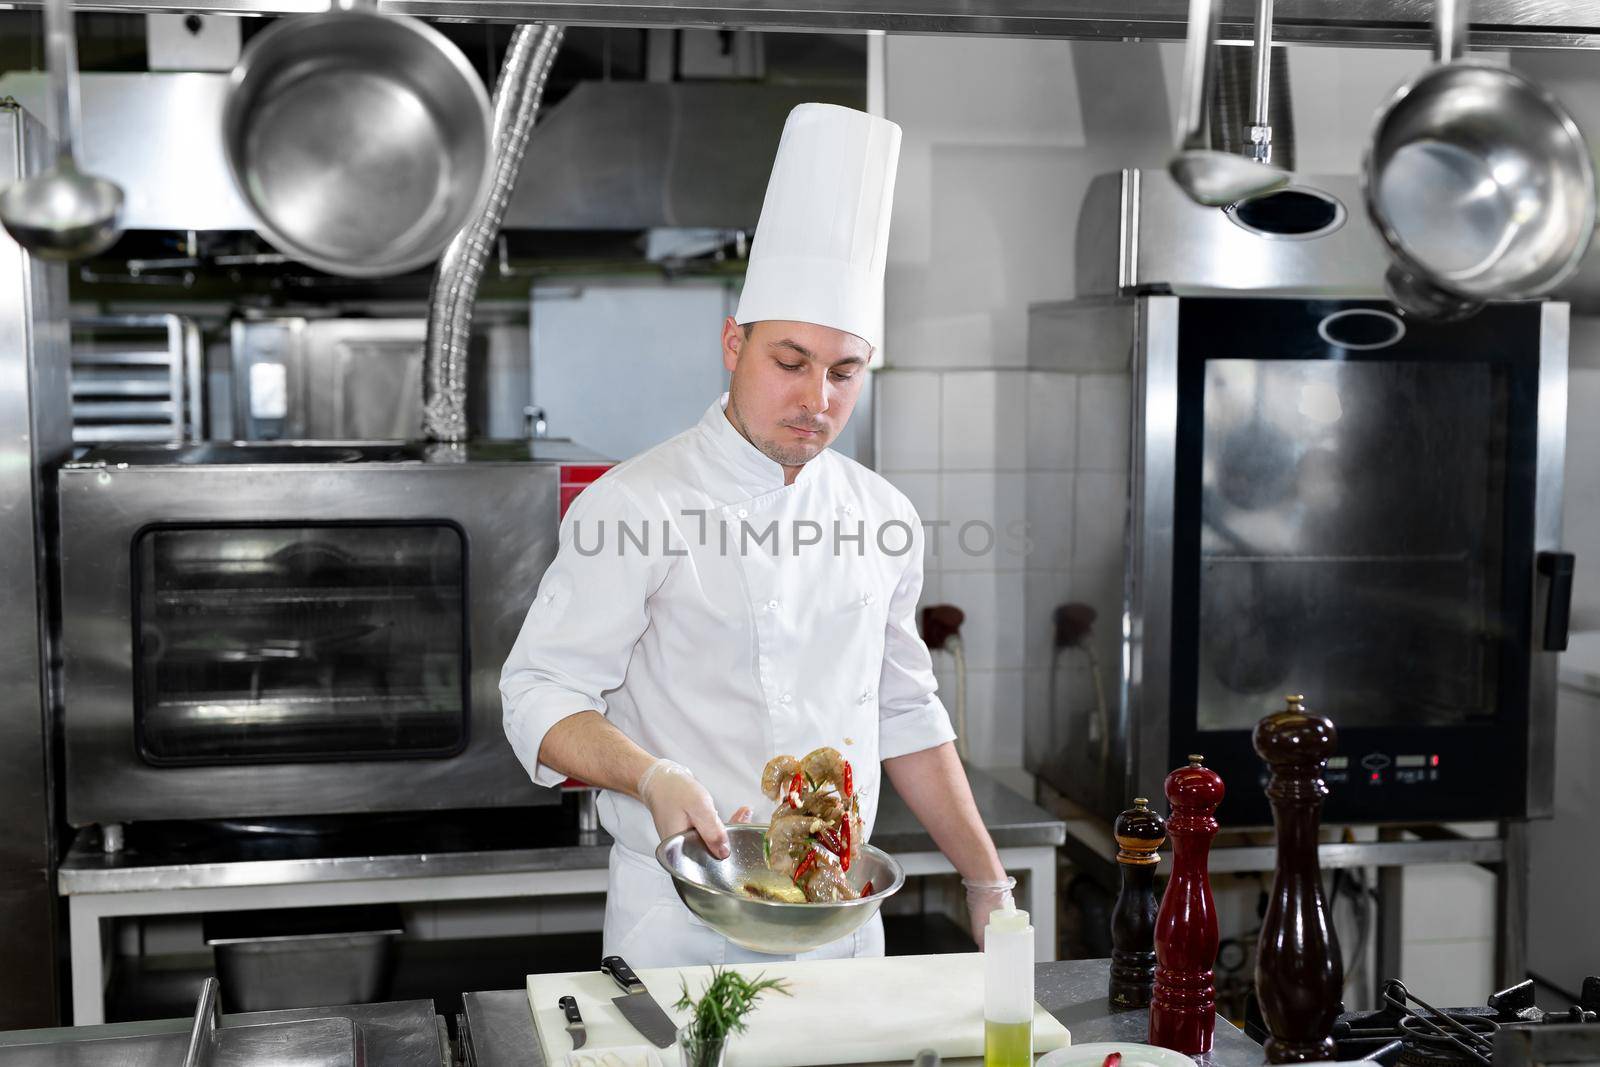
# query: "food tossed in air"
[[816, 831]]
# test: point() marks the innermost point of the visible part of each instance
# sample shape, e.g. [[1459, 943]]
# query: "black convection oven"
[[298, 629], [1323, 497]]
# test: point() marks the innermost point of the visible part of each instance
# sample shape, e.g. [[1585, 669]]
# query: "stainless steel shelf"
[[1367, 23]]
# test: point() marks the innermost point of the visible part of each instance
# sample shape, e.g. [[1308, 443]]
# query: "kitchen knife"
[[638, 1006], [569, 1008]]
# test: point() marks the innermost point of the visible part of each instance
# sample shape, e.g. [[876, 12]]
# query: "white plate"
[[1134, 1054]]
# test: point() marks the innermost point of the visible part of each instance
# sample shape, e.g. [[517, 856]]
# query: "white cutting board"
[[838, 1011]]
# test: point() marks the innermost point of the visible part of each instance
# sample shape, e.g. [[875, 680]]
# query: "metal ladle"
[[63, 213], [1210, 177]]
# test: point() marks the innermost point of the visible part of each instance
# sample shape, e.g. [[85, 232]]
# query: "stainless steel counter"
[[183, 868], [498, 1026], [179, 856], [396, 1034]]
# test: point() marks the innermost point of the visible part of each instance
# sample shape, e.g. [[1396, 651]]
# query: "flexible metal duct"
[[455, 283]]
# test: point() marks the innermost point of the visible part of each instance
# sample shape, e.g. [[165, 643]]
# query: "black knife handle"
[[569, 1008], [621, 973]]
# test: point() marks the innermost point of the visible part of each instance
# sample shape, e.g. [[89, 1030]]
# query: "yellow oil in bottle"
[[1007, 1044]]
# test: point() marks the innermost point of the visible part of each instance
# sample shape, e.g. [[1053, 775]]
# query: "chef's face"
[[794, 385]]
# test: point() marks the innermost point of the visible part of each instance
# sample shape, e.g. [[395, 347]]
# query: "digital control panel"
[[1381, 768]]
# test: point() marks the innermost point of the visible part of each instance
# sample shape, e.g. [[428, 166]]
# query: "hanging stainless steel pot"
[[362, 141], [1479, 182]]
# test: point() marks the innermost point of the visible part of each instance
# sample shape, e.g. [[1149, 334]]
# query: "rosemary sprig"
[[720, 1012]]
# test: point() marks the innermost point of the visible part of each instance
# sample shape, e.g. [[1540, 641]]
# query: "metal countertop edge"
[[74, 878]]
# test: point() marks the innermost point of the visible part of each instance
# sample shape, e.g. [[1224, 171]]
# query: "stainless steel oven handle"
[[203, 1034], [1558, 568]]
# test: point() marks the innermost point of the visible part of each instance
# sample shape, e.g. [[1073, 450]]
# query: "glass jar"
[[693, 1053]]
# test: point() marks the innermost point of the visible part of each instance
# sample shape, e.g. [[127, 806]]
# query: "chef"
[[741, 591]]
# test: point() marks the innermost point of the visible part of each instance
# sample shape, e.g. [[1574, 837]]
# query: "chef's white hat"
[[823, 237]]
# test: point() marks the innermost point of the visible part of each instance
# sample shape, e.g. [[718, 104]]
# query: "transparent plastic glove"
[[678, 802], [985, 897]]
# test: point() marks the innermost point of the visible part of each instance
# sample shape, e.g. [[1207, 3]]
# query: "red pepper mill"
[[1299, 973], [1139, 832], [1183, 1004]]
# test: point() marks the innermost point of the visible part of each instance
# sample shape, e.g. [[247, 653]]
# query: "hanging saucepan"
[[1479, 182], [361, 141]]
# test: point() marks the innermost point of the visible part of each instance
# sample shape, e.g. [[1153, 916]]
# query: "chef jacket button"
[[866, 697], [772, 605], [867, 598], [743, 514], [785, 699]]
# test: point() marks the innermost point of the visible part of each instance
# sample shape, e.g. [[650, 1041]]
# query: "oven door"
[[1358, 505], [294, 639]]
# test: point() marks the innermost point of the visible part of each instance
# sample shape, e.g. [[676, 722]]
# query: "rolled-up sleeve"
[[579, 634], [911, 717]]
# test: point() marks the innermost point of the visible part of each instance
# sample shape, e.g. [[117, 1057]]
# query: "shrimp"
[[826, 766], [777, 774], [825, 806], [825, 882], [789, 839]]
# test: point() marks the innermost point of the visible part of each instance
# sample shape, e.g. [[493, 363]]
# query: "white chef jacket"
[[718, 618]]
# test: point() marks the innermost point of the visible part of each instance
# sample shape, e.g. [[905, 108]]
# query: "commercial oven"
[[298, 629], [1322, 497]]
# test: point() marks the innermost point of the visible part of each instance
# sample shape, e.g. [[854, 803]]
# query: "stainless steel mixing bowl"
[[709, 887]]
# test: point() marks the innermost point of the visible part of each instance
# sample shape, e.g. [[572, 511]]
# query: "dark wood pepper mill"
[[1139, 833], [1299, 972], [1183, 1002]]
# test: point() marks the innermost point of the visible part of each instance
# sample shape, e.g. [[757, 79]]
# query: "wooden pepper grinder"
[[1139, 833], [1299, 973], [1183, 1003]]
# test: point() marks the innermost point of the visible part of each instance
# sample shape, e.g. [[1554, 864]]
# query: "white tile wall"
[[983, 510], [1103, 422], [908, 420], [1050, 511], [994, 701], [1449, 972], [1099, 502], [1052, 417], [968, 418], [1447, 934], [921, 488]]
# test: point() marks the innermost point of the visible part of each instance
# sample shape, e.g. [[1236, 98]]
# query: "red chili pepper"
[[805, 866], [866, 890], [793, 796], [849, 780], [1113, 1060], [830, 841], [844, 840]]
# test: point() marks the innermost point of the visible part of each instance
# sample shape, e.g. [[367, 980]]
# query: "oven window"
[[291, 643], [1353, 541]]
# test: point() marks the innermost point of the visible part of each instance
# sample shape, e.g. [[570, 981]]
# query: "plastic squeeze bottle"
[[1008, 990]]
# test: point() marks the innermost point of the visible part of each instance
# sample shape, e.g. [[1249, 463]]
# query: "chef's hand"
[[677, 802], [986, 897]]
